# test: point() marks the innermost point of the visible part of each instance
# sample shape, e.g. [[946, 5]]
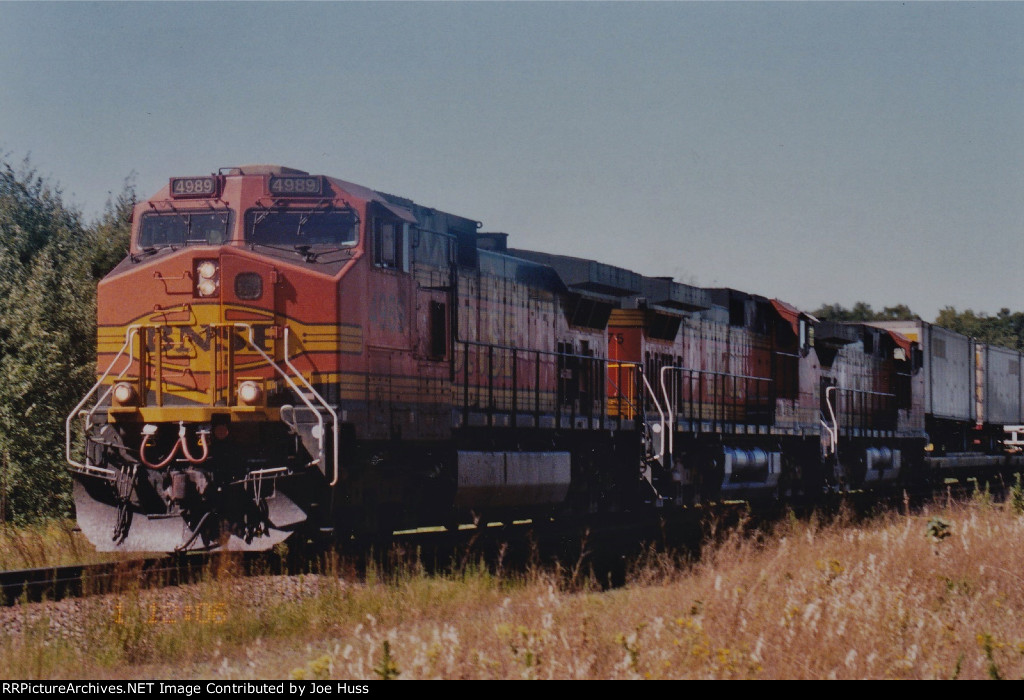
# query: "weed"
[[938, 529], [982, 495], [319, 669], [988, 646], [1017, 496], [631, 644], [959, 667], [387, 668]]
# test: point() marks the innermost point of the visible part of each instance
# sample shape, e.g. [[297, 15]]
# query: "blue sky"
[[815, 152]]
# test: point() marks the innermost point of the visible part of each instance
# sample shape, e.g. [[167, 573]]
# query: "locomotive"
[[291, 355]]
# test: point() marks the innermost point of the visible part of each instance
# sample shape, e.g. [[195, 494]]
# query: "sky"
[[813, 152]]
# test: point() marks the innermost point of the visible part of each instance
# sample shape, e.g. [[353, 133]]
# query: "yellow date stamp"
[[171, 613]]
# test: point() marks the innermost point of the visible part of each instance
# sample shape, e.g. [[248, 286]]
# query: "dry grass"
[[51, 543], [937, 594]]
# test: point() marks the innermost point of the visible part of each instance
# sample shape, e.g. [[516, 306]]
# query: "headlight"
[[249, 393], [124, 394], [207, 288], [207, 269], [207, 278]]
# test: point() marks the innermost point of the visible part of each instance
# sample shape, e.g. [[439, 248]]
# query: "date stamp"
[[165, 613]]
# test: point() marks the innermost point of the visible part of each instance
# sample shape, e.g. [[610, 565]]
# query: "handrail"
[[661, 417], [133, 331], [668, 405], [323, 402], [661, 438], [865, 391], [129, 336], [552, 353], [668, 400], [858, 408], [294, 387], [485, 384], [634, 407], [833, 431]]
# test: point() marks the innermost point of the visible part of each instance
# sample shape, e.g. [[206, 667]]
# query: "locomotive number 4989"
[[193, 186], [296, 185]]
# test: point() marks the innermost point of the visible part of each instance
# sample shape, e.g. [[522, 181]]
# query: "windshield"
[[184, 228], [301, 228]]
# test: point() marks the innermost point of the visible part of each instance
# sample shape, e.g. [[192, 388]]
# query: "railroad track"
[[603, 549], [512, 546], [57, 582]]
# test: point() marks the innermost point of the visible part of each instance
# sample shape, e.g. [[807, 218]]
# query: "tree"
[[862, 311], [900, 312], [47, 340], [1005, 329], [31, 210], [111, 234]]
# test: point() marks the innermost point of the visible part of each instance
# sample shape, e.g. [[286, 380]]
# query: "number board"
[[296, 185], [194, 186]]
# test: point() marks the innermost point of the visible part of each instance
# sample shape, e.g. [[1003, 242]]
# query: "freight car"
[[971, 395], [285, 354]]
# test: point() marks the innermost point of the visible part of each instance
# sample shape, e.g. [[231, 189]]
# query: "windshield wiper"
[[253, 244], [303, 250], [311, 256], [152, 250]]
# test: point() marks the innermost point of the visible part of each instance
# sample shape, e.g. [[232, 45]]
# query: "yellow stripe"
[[192, 414], [306, 337]]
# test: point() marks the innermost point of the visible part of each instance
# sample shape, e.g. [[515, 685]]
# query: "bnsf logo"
[[187, 339]]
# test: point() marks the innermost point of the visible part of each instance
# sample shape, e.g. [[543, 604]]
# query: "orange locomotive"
[[284, 354]]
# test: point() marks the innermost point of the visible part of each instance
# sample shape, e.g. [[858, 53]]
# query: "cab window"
[[294, 227], [390, 244], [184, 228]]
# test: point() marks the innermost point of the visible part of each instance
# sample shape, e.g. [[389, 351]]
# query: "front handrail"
[[129, 336], [251, 340], [323, 402]]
